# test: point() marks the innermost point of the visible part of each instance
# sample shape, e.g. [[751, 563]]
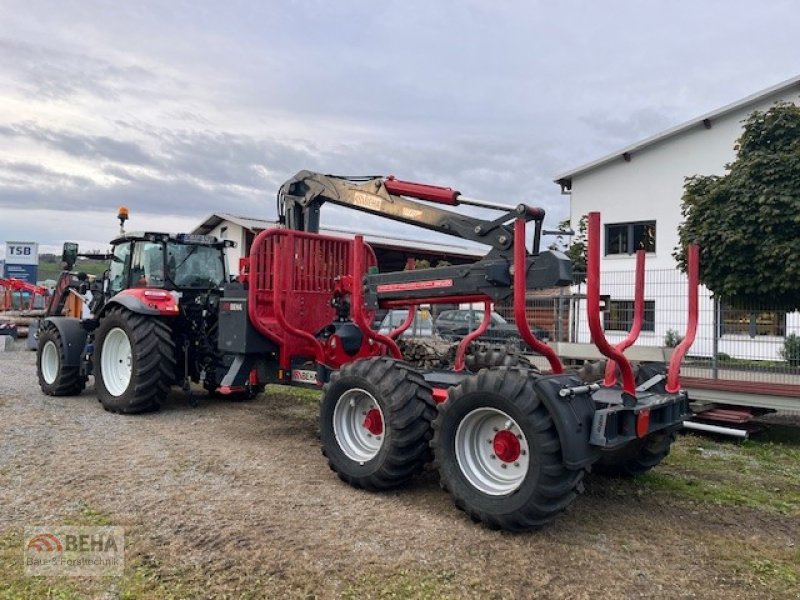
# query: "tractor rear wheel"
[[55, 378], [637, 457], [134, 362], [499, 454], [375, 421]]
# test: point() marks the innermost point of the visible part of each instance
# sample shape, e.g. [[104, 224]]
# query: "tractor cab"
[[182, 262]]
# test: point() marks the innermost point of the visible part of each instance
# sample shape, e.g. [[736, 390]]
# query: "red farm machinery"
[[511, 444]]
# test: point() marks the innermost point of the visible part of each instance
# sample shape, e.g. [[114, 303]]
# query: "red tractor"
[[511, 444], [148, 324]]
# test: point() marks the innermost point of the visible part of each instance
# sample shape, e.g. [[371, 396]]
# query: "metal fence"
[[757, 343]]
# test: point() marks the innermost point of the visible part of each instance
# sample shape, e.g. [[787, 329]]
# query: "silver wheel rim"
[[116, 364], [486, 469], [355, 439], [50, 362]]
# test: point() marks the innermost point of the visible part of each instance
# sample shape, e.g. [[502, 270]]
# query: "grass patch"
[[14, 584], [307, 394], [770, 573], [89, 516], [405, 584], [757, 473]]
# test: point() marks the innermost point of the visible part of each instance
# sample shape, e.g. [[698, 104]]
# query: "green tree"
[[747, 222], [575, 249]]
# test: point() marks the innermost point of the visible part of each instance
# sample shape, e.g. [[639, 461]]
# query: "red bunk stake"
[[638, 319], [396, 333], [357, 301], [593, 306], [462, 347], [674, 371], [520, 290]]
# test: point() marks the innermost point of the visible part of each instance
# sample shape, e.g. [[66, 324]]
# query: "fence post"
[[559, 315], [715, 340]]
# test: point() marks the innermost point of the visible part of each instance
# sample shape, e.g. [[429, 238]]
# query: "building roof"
[[374, 239], [703, 121], [214, 219]]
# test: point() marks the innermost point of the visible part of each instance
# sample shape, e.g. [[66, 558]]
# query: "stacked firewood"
[[428, 353]]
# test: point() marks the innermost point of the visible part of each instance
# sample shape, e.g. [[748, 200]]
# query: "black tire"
[[592, 372], [546, 489], [64, 381], [407, 408], [486, 357], [637, 457], [152, 362]]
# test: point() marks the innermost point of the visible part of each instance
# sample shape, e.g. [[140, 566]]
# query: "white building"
[[638, 192], [391, 252]]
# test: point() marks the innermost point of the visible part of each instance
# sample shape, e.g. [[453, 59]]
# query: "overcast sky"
[[177, 109]]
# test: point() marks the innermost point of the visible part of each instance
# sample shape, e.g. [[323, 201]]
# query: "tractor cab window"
[[195, 265], [117, 270], [147, 265]]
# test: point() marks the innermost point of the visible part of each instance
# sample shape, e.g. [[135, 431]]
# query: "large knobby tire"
[[486, 357], [594, 371], [134, 362], [375, 422], [55, 379], [637, 457], [498, 452]]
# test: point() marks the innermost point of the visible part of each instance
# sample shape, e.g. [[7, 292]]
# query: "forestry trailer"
[[511, 444]]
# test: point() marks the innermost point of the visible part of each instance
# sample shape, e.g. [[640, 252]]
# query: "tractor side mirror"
[[69, 255]]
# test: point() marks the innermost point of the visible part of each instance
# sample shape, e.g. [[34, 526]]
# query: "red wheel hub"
[[506, 446], [374, 423]]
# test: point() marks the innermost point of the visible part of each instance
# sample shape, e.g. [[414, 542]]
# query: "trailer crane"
[[511, 445]]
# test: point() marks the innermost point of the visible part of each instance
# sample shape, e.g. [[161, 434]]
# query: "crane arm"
[[301, 197]]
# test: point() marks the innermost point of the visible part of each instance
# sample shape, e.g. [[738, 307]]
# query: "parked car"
[[422, 326], [455, 324]]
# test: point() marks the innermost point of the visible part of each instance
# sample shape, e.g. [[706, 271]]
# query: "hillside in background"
[[50, 266]]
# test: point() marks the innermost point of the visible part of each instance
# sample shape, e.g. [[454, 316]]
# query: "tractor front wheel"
[[55, 378], [375, 421], [498, 452], [134, 362]]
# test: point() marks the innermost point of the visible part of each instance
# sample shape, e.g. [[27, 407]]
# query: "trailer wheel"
[[637, 457], [134, 362], [375, 421], [55, 379], [486, 357], [498, 452]]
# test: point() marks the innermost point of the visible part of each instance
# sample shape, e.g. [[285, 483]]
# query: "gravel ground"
[[235, 500]]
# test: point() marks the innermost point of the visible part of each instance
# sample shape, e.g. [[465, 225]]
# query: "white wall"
[[650, 187], [235, 233]]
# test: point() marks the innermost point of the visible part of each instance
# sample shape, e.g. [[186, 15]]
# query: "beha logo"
[[74, 550], [45, 542]]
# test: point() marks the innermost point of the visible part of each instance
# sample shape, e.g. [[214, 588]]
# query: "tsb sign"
[[20, 253]]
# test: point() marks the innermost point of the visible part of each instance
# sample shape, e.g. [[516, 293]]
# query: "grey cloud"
[[196, 172], [58, 74], [621, 129], [23, 174], [81, 145]]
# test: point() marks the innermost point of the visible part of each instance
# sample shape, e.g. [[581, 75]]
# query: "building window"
[[619, 316], [627, 238], [740, 321]]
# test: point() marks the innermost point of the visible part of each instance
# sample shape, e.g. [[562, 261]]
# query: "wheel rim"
[[492, 451], [49, 362], [116, 364], [358, 425]]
